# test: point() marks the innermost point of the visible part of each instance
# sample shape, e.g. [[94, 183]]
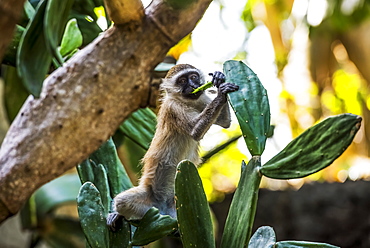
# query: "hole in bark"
[[95, 75]]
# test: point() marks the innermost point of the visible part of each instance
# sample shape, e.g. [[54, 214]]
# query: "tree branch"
[[83, 102], [124, 11]]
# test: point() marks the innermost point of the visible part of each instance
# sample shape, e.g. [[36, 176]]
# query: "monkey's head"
[[183, 79]]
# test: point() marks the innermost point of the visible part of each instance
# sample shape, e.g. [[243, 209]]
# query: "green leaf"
[[92, 216], [89, 29], [250, 104], [10, 55], [247, 16], [62, 232], [219, 148], [85, 171], [314, 149], [264, 237], [56, 15], [86, 7], [101, 183], [72, 38], [55, 193], [239, 222], [33, 58], [133, 153], [138, 131], [192, 208], [302, 244], [29, 10], [90, 171], [153, 226], [121, 237], [15, 93], [28, 214], [140, 127], [117, 176]]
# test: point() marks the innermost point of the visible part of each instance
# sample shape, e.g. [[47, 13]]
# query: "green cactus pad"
[[263, 237], [117, 176], [239, 222], [153, 226], [314, 149], [302, 244], [193, 214], [85, 171], [250, 104], [92, 216]]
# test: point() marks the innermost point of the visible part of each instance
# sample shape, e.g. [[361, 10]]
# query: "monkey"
[[182, 121]]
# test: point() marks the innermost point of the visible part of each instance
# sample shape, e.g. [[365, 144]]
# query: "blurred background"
[[313, 57]]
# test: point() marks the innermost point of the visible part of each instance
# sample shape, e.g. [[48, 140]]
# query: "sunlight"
[[316, 11]]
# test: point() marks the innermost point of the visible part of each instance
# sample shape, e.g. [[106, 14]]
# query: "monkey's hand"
[[227, 88], [114, 221], [218, 78]]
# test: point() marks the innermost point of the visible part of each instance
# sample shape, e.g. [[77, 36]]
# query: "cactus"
[[314, 149], [265, 237], [193, 214], [100, 175], [239, 222], [250, 104], [117, 176], [153, 226], [92, 216]]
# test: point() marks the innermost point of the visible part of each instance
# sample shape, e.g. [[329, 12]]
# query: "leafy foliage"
[[38, 48], [33, 59]]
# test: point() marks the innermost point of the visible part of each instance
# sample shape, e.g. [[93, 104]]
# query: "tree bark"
[[83, 102], [10, 12], [122, 11]]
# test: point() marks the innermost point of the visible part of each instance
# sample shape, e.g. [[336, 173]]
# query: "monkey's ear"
[[168, 85]]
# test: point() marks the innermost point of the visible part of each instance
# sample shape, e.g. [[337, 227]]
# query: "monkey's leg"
[[162, 186], [133, 203]]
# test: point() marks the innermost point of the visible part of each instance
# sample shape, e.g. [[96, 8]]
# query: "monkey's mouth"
[[193, 95]]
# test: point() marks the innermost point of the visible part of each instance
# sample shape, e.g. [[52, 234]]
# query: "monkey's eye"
[[193, 77], [182, 80]]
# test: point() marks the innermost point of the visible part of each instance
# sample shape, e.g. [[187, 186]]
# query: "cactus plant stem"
[[239, 222]]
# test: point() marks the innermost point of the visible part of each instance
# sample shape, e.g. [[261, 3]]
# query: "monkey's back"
[[171, 143]]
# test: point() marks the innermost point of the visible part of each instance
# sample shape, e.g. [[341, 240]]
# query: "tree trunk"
[[83, 102]]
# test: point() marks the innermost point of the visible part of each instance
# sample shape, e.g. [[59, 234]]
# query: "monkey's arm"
[[211, 113], [224, 119]]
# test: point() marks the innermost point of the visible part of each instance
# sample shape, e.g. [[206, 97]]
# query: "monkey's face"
[[188, 82]]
